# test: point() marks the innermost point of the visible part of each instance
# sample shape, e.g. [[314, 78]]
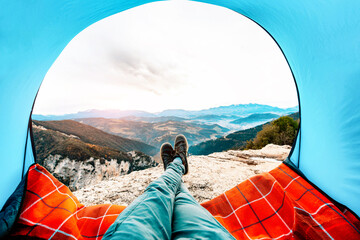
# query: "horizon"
[[139, 110]]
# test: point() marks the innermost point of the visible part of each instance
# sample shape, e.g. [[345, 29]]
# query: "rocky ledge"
[[208, 177], [77, 174]]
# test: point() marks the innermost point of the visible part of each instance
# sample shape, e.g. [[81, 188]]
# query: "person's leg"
[[192, 221], [150, 215]]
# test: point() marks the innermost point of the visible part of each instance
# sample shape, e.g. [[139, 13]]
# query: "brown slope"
[[50, 142], [95, 136], [156, 133]]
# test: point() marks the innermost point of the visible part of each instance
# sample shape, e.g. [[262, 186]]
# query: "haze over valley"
[[157, 128], [90, 146]]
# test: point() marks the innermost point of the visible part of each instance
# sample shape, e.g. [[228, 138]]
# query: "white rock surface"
[[208, 177], [78, 174]]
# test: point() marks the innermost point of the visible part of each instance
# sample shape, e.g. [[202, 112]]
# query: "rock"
[[141, 161], [269, 151], [252, 162], [209, 176], [78, 174]]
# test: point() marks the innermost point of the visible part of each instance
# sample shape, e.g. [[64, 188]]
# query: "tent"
[[319, 39]]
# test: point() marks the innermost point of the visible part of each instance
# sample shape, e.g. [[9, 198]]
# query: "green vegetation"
[[281, 131], [239, 139], [234, 140]]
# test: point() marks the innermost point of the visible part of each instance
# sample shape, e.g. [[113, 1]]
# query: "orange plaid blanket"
[[281, 205], [275, 205]]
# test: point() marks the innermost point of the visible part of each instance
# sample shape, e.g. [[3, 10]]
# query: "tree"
[[281, 131]]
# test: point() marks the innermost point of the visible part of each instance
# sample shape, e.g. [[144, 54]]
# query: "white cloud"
[[168, 55]]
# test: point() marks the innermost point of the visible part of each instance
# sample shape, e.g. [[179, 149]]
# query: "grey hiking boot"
[[181, 148], [167, 154]]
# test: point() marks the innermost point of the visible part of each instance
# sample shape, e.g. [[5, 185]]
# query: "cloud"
[[153, 55], [136, 70]]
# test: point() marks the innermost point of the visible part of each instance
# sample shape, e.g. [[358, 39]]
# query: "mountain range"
[[86, 147], [92, 135], [76, 161], [52, 142], [232, 117], [235, 140], [239, 110], [157, 132], [256, 117]]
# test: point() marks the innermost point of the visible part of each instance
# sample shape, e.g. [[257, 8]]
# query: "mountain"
[[239, 110], [77, 164], [93, 114], [95, 136], [234, 140], [295, 115], [214, 117], [236, 109], [256, 117], [177, 113], [156, 133], [293, 109], [156, 128], [245, 109], [50, 142], [154, 119]]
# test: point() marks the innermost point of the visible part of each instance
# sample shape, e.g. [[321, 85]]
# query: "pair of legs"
[[166, 210]]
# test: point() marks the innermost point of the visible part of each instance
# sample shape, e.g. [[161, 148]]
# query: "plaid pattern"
[[275, 205], [281, 205], [51, 211]]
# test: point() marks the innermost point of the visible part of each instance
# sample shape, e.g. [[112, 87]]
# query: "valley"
[[86, 150]]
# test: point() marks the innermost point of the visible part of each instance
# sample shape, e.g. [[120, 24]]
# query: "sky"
[[168, 55]]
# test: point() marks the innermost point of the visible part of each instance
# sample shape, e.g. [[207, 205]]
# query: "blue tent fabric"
[[320, 40]]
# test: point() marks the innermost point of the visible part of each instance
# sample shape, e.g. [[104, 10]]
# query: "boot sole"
[[161, 152], [186, 165]]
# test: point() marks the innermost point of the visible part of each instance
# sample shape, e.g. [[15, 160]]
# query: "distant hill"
[[50, 142], [214, 117], [246, 109], [256, 117], [154, 119], [78, 164], [295, 116], [156, 133], [235, 110], [91, 135], [156, 128], [238, 110], [93, 114], [234, 140]]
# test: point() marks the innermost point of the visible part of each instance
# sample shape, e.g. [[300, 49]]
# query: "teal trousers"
[[166, 210]]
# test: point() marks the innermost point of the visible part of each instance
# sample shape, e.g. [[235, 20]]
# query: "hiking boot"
[[181, 148], [167, 154]]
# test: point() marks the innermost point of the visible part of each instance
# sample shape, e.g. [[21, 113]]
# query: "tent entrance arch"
[[320, 47], [242, 65]]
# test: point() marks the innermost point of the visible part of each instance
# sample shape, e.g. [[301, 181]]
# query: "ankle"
[[178, 160]]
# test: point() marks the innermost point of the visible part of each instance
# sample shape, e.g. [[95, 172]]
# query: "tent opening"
[[318, 183], [196, 69]]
